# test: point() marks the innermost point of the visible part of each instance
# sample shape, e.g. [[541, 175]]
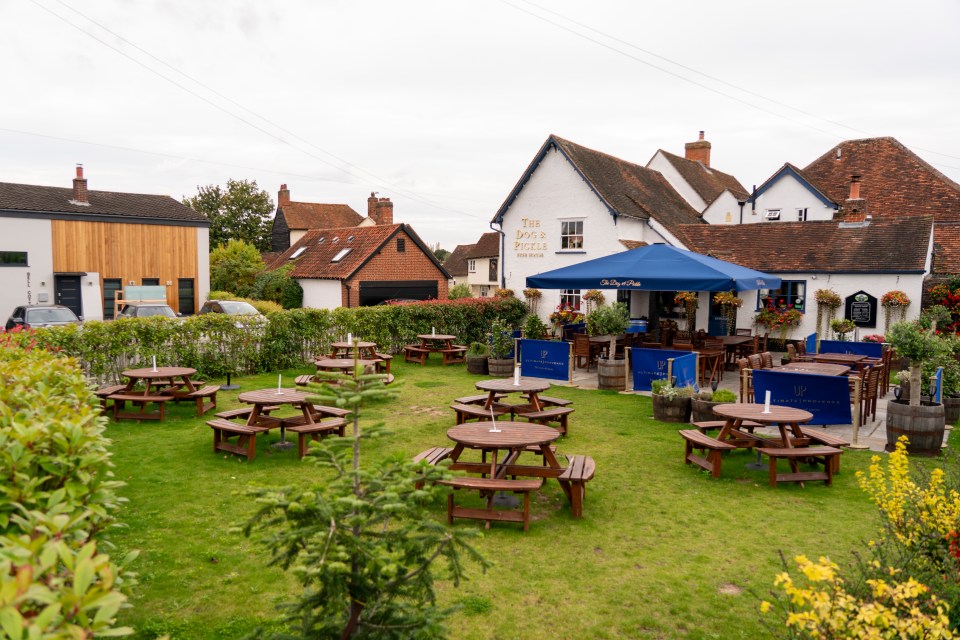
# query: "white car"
[[147, 310]]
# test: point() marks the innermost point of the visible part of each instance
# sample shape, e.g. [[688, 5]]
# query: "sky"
[[441, 105]]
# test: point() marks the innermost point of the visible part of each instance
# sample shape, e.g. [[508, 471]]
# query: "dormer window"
[[296, 254], [321, 240], [335, 240], [773, 214], [350, 239], [341, 255]]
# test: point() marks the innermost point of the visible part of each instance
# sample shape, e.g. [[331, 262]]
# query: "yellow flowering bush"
[[819, 606]]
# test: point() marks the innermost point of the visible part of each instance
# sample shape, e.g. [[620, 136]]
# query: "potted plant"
[[671, 404], [921, 421], [610, 320], [564, 315], [702, 404], [947, 360], [499, 364], [534, 328], [477, 355], [841, 327]]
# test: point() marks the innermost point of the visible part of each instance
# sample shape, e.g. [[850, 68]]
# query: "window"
[[472, 266], [185, 296], [773, 214], [801, 215], [791, 292], [150, 282], [571, 234], [570, 298], [341, 255], [110, 288], [296, 254], [492, 274], [401, 245], [484, 291], [13, 259]]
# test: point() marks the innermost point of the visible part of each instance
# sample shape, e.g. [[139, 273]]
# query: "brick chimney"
[[380, 210], [80, 189], [855, 207], [698, 151], [283, 196]]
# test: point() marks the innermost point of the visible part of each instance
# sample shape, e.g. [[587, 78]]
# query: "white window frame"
[[773, 214], [484, 291], [570, 299], [341, 254], [568, 236], [802, 215], [472, 266]]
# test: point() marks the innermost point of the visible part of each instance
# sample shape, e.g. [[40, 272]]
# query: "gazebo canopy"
[[657, 267]]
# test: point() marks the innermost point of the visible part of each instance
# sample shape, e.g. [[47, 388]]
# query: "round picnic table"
[[505, 435], [505, 385], [342, 364], [363, 349], [271, 397], [783, 418], [163, 374]]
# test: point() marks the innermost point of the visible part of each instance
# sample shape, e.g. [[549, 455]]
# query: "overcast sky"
[[440, 105]]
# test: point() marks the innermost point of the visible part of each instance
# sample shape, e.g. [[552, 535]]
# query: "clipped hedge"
[[216, 344], [59, 501]]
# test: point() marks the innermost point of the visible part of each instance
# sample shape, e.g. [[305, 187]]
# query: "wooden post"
[[855, 439]]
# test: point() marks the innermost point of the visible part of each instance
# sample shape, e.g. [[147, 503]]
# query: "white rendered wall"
[[556, 192], [203, 265], [725, 210], [296, 235], [91, 297], [321, 294], [787, 194], [660, 163], [32, 284]]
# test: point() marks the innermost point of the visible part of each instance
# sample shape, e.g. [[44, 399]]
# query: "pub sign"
[[861, 307]]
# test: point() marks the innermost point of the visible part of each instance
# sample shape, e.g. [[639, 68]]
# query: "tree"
[[362, 542], [242, 211], [234, 267], [441, 254], [461, 290]]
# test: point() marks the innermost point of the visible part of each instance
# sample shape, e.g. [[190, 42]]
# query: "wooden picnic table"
[[349, 349], [436, 341], [849, 359], [711, 365], [161, 377], [531, 388], [271, 398], [784, 418], [822, 368], [343, 364], [512, 437], [730, 346]]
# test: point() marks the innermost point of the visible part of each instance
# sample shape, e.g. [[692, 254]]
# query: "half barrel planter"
[[500, 368], [612, 374], [671, 410], [477, 365], [951, 409], [702, 410], [923, 425]]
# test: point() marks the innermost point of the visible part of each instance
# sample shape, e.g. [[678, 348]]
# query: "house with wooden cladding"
[[77, 247], [363, 266]]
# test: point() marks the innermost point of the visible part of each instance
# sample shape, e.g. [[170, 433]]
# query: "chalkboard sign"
[[861, 307]]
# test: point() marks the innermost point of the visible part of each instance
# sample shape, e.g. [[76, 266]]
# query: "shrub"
[[458, 291], [59, 501], [534, 328], [724, 395], [277, 286], [662, 387], [234, 267], [501, 340], [478, 349]]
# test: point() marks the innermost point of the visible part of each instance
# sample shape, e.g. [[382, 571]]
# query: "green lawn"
[[663, 551]]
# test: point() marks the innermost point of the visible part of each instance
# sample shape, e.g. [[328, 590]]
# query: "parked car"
[[146, 310], [229, 307], [33, 316]]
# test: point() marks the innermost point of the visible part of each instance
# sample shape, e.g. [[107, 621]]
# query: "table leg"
[[551, 461]]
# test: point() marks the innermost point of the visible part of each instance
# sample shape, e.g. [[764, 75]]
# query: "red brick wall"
[[412, 264]]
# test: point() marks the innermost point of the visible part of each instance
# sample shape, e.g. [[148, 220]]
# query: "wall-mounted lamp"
[[42, 283], [131, 283]]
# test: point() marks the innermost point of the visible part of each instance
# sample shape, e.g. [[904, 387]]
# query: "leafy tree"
[[441, 254], [362, 543], [234, 267], [242, 211], [277, 286], [461, 290]]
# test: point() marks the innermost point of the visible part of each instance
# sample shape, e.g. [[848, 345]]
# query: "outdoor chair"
[[746, 380], [583, 348], [755, 361], [766, 360]]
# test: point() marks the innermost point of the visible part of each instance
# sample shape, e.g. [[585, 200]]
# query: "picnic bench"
[[304, 380], [478, 399], [315, 431], [823, 455], [694, 439], [454, 355], [415, 353], [826, 439], [206, 398], [467, 412], [579, 471], [119, 399], [547, 416], [487, 487], [245, 446], [105, 393]]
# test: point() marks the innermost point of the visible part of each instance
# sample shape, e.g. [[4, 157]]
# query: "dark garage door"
[[376, 291]]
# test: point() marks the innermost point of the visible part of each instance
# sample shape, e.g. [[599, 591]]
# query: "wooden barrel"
[[612, 374], [702, 410], [500, 368], [675, 410], [923, 425], [477, 364], [951, 409]]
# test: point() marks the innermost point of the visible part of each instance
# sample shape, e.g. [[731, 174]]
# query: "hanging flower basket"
[[689, 300], [729, 302], [894, 301]]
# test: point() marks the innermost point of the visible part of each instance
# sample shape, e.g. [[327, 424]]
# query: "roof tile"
[[314, 215], [706, 181]]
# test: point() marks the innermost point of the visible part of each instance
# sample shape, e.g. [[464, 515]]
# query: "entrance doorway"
[[67, 292], [718, 322]]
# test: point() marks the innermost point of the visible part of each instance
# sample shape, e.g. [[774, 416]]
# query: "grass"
[[663, 551]]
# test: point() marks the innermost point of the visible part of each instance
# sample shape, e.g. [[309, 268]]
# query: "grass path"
[[663, 551]]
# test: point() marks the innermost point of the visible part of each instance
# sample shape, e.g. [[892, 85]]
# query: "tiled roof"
[[707, 182], [894, 180], [456, 262], [321, 246], [56, 200], [314, 215], [488, 246], [787, 169], [633, 244], [946, 247], [269, 256], [883, 245], [626, 189]]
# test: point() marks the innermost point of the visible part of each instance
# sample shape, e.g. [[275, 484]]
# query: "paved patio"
[[872, 434]]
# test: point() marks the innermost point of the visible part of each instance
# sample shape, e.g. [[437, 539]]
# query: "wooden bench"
[[826, 439], [384, 367], [454, 355], [697, 440], [243, 412], [707, 426], [120, 398], [823, 455], [547, 401], [476, 412], [105, 393], [315, 431], [333, 412], [488, 486], [246, 445], [433, 456], [478, 399], [206, 398], [304, 380], [548, 416], [579, 471], [415, 353]]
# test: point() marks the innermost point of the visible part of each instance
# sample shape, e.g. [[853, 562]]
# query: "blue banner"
[[826, 397], [811, 344], [685, 370], [869, 349], [648, 365], [545, 359], [938, 396]]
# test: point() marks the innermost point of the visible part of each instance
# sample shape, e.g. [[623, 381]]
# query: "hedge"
[[216, 344], [59, 502]]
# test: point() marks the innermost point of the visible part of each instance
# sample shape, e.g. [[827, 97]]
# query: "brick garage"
[[355, 266]]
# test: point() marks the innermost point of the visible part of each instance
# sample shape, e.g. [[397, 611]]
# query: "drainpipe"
[[348, 294], [503, 251], [741, 203]]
